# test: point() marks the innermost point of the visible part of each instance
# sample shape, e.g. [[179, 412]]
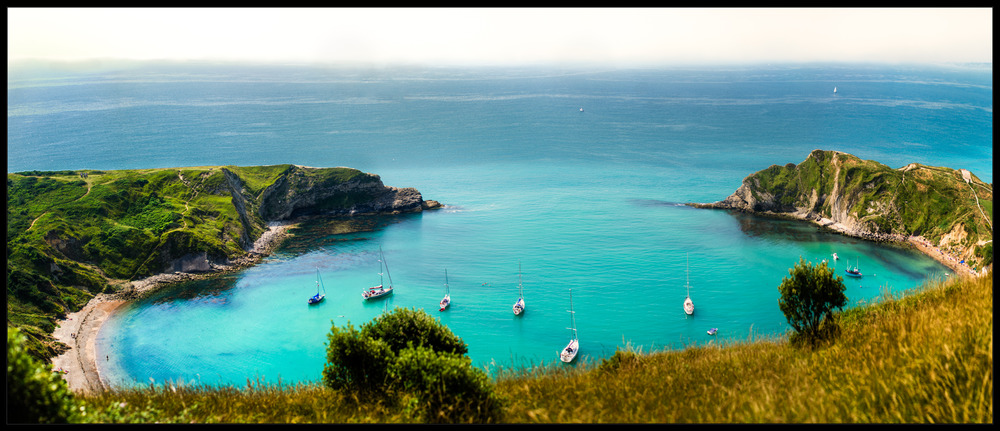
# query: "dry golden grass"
[[922, 358]]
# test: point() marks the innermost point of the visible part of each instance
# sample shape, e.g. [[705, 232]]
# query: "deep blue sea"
[[573, 176]]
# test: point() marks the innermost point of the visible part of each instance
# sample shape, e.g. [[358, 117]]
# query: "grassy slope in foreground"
[[74, 234], [923, 358]]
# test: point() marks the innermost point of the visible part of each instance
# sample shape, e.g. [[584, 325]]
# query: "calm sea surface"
[[586, 200]]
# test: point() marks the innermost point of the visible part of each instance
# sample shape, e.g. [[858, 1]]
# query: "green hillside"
[[953, 209], [74, 234]]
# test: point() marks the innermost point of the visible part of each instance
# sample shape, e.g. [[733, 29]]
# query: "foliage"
[[72, 234], [445, 387], [407, 354], [405, 326], [808, 297], [35, 394], [356, 362]]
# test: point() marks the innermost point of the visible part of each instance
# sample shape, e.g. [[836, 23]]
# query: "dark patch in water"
[[658, 203]]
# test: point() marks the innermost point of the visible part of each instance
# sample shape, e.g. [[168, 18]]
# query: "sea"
[[570, 182]]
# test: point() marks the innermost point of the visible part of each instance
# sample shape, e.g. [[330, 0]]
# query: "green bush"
[[355, 361], [407, 354], [808, 297], [35, 394], [403, 326], [445, 387]]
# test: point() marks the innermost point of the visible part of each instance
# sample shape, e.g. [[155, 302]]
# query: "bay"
[[583, 200]]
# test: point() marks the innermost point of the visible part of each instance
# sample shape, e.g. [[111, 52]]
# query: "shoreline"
[[78, 365]]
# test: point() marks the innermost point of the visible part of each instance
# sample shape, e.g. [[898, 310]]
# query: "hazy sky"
[[504, 36]]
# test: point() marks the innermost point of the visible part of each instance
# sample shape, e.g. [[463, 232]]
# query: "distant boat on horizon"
[[834, 90]]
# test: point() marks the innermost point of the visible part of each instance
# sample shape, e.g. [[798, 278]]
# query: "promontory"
[[72, 235], [947, 213]]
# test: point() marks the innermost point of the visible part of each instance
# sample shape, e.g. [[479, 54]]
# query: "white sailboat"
[[519, 305], [446, 301], [315, 299], [569, 352], [380, 290], [688, 304], [834, 90]]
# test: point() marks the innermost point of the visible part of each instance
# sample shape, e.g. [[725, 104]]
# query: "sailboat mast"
[[520, 291], [446, 288], [386, 266], [687, 272], [572, 314]]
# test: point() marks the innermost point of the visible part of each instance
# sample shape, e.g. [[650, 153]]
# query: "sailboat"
[[447, 293], [380, 290], [519, 305], [688, 304], [834, 90], [315, 299], [569, 352], [853, 272]]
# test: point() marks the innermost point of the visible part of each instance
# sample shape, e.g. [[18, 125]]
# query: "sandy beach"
[[79, 330]]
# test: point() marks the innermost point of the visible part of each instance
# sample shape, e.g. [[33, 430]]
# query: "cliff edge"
[[948, 208]]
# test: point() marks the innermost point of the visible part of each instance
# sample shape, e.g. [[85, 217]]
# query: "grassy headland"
[[952, 209], [923, 357], [72, 235]]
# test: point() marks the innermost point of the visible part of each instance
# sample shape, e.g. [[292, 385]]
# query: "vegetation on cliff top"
[[951, 208], [74, 234]]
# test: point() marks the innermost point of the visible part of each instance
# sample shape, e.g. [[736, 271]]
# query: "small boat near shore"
[[713, 331], [380, 290], [519, 305], [688, 303], [853, 272], [315, 299], [446, 301], [569, 352]]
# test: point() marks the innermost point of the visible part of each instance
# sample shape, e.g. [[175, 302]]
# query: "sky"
[[503, 36]]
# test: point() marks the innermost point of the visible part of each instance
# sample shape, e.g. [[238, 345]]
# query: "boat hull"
[[519, 307], [316, 300], [568, 354], [375, 293]]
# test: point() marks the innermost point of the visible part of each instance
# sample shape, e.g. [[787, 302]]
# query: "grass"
[[74, 234], [924, 357]]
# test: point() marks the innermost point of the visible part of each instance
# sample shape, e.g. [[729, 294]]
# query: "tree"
[[35, 394], [808, 297]]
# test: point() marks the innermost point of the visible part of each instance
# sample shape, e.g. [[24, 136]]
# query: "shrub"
[[403, 326], [34, 393], [445, 387], [355, 361], [808, 297], [408, 354]]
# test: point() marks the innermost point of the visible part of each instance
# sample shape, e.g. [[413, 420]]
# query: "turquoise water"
[[587, 201]]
